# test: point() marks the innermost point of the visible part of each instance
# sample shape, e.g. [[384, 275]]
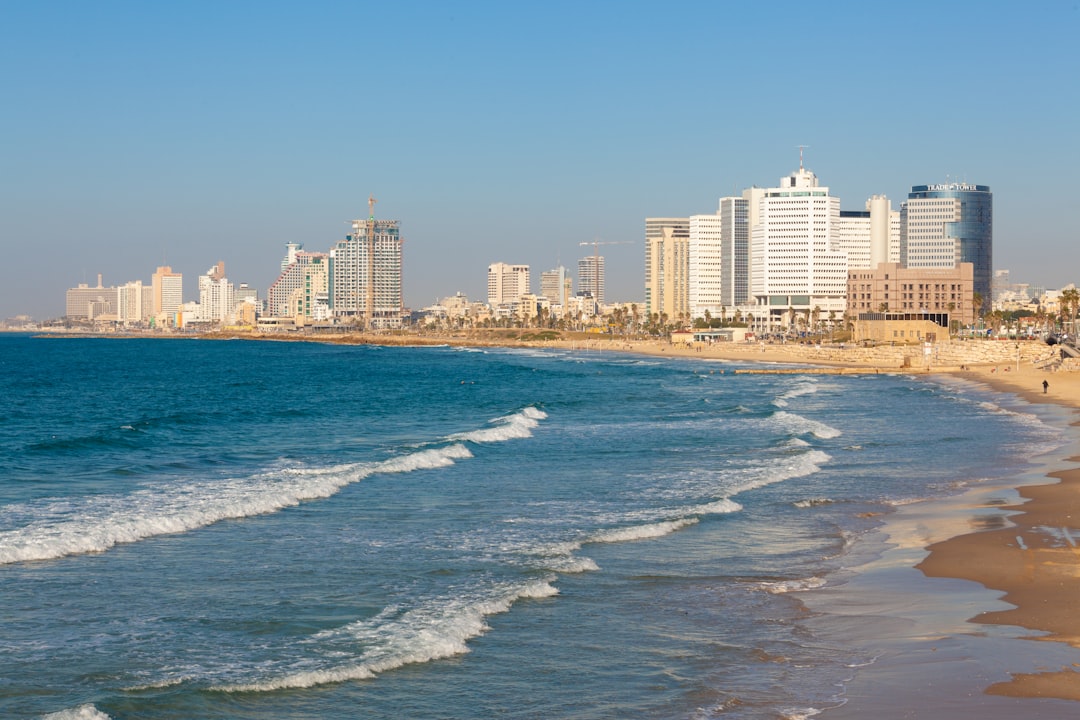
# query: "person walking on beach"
[[1045, 386]]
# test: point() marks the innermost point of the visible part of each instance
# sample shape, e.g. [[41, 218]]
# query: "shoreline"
[[1014, 579], [1020, 594], [1027, 570]]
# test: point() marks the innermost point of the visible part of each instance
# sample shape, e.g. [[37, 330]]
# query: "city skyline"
[[140, 136]]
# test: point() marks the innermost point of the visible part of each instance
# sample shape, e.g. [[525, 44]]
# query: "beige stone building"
[[895, 289], [901, 328], [667, 267]]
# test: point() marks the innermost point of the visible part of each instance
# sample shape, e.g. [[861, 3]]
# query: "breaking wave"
[[58, 529], [394, 638]]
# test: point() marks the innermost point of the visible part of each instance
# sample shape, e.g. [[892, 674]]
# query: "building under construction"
[[365, 274]]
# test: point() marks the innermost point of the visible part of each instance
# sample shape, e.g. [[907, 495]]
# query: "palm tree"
[[1070, 301]]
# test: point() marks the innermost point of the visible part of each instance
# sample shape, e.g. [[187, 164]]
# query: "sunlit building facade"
[[667, 268], [944, 225]]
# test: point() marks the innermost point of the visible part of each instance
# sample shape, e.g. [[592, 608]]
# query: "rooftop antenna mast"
[[801, 148]]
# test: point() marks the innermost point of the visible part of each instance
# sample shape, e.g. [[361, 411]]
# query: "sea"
[[196, 528]]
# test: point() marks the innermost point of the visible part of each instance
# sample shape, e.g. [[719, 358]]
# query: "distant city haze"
[[143, 136]]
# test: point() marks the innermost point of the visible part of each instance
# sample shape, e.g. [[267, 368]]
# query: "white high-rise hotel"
[[802, 246], [795, 261], [506, 283]]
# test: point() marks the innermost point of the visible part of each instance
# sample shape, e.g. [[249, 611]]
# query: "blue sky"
[[138, 134]]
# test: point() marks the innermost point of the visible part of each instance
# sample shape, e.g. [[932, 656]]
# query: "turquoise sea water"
[[200, 529]]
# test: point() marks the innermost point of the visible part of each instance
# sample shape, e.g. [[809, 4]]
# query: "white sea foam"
[[813, 502], [393, 639], [83, 712], [559, 557], [723, 506], [799, 425], [781, 469], [780, 587], [60, 529], [511, 427], [642, 532], [802, 387], [571, 565]]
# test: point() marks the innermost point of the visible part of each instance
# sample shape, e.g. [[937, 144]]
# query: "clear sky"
[[136, 134]]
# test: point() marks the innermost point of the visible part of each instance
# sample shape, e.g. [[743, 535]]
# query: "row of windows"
[[926, 286]]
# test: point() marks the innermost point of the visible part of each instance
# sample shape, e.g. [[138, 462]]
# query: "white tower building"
[[215, 295], [796, 264], [706, 276], [507, 283]]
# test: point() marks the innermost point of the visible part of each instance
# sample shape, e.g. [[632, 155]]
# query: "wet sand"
[[1016, 651]]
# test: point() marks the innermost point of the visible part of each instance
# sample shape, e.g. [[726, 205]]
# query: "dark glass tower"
[[942, 225]]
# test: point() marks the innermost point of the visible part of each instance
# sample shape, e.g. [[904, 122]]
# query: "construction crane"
[[596, 260]]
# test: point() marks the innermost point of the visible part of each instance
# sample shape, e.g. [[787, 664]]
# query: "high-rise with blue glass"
[[944, 225]]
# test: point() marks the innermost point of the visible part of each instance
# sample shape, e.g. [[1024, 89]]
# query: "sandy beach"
[[1033, 561]]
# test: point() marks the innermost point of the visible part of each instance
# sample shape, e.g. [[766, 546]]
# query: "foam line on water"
[[57, 530], [560, 556], [642, 532], [82, 712], [101, 523], [438, 630], [799, 425], [798, 389], [511, 427]]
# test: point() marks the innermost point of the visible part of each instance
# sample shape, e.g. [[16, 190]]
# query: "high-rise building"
[[667, 267], [944, 225], [168, 290], [591, 276], [133, 303], [705, 265], [556, 285], [734, 251], [304, 279], [796, 266], [365, 273], [506, 283], [90, 302], [215, 295], [719, 257]]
